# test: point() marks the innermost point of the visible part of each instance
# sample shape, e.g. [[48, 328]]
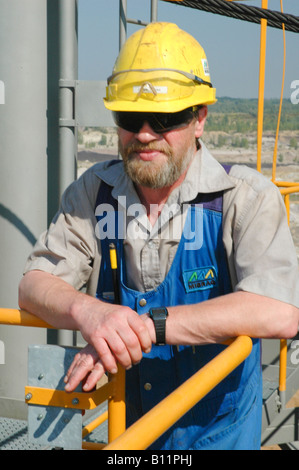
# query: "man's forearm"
[[215, 320], [232, 315], [49, 298]]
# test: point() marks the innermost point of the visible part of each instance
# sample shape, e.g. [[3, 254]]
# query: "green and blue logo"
[[200, 279]]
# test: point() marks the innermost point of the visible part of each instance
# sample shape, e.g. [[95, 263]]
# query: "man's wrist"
[[150, 326], [81, 303], [159, 316]]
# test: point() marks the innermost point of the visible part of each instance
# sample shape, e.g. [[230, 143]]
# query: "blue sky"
[[232, 46]]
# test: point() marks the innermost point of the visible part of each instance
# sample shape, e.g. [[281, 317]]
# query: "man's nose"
[[146, 134]]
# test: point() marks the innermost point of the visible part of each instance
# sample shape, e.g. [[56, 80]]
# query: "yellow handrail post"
[[283, 370], [117, 402], [283, 353], [260, 116], [281, 99], [117, 405]]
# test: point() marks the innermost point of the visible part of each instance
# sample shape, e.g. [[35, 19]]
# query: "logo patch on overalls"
[[200, 279]]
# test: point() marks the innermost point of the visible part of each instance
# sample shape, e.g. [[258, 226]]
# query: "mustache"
[[138, 147]]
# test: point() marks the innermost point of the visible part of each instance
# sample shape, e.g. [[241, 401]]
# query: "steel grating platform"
[[14, 433]]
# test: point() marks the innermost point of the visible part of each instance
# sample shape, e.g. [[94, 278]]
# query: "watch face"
[[159, 315], [159, 312]]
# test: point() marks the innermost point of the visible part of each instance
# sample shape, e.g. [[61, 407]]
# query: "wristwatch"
[[159, 315]]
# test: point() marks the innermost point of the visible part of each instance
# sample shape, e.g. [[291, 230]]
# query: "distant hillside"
[[231, 122], [240, 115]]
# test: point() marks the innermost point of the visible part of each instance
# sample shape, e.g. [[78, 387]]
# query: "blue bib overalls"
[[229, 417]]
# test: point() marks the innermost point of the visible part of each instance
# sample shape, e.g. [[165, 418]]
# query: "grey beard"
[[149, 175]]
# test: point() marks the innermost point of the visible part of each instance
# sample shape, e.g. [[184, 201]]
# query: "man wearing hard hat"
[[204, 252]]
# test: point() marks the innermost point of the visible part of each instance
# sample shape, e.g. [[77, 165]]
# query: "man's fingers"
[[142, 333], [104, 352], [95, 375], [83, 363], [134, 339]]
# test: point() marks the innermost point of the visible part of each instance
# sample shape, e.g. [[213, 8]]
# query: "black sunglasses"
[[159, 122]]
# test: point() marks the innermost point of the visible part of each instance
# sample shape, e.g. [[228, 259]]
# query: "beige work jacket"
[[260, 251]]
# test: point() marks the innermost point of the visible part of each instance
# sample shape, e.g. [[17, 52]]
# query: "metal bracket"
[[67, 94], [81, 104], [74, 400]]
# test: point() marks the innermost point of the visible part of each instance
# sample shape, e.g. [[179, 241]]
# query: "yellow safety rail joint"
[[62, 399]]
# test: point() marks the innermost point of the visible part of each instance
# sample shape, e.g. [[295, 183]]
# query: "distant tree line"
[[235, 117], [240, 115]]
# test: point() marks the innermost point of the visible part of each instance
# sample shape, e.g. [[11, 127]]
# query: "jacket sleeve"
[[261, 252], [69, 247]]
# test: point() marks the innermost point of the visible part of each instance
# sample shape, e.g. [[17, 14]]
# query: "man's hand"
[[116, 334]]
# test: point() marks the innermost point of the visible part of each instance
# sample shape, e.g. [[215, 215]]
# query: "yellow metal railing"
[[260, 115], [148, 428], [145, 431], [287, 188]]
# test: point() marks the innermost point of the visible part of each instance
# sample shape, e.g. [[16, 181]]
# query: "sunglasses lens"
[[159, 122], [131, 122]]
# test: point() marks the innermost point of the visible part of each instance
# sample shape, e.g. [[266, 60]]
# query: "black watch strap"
[[159, 315]]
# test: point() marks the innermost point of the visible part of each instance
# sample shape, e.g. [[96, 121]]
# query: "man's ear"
[[200, 122]]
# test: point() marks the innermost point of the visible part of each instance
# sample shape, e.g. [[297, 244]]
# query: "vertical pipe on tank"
[[68, 67], [23, 175], [154, 10], [68, 49], [122, 22]]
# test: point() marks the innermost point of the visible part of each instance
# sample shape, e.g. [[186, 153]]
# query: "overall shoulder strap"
[[211, 201], [227, 168], [104, 195]]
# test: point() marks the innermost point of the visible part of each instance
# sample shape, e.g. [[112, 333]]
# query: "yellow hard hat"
[[160, 68]]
